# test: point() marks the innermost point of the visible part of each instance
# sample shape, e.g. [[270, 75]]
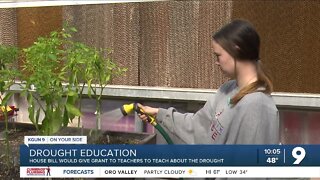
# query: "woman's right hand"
[[148, 110]]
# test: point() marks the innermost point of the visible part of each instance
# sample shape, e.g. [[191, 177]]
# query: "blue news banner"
[[169, 155]]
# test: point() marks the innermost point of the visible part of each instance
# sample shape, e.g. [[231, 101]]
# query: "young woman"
[[242, 112]]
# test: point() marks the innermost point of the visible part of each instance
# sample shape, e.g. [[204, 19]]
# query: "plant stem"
[[41, 107], [38, 101], [6, 134], [94, 90], [80, 105], [99, 108], [98, 115]]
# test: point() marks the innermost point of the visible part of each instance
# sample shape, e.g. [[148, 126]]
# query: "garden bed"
[[17, 131]]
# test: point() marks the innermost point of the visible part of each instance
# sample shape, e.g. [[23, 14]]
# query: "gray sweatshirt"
[[253, 120]]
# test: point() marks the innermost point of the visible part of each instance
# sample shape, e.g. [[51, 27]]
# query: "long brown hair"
[[242, 42]]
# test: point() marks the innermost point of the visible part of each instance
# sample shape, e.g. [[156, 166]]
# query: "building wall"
[[164, 44], [8, 27], [169, 43], [290, 49], [35, 22], [290, 40], [113, 26]]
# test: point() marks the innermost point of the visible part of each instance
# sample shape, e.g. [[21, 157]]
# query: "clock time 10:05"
[[272, 151]]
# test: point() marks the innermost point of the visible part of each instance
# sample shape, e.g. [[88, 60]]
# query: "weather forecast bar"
[[167, 161], [169, 172]]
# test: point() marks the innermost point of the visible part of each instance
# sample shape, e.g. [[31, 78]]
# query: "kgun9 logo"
[[298, 153]]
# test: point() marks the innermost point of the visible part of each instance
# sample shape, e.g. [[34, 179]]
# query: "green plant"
[[98, 73], [8, 74], [77, 57], [94, 68], [44, 64], [8, 67], [59, 69]]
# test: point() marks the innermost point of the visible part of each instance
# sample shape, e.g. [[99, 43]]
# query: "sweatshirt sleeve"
[[259, 123], [186, 125]]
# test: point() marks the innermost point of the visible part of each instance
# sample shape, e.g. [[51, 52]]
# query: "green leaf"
[[72, 93], [6, 98], [73, 29], [107, 78], [54, 33], [73, 110], [65, 119], [2, 84], [8, 85], [56, 122], [31, 114], [45, 127], [37, 116], [29, 98], [52, 57], [89, 88], [72, 100], [70, 117]]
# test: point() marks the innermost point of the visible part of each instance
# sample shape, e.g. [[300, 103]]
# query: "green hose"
[[152, 121], [163, 133]]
